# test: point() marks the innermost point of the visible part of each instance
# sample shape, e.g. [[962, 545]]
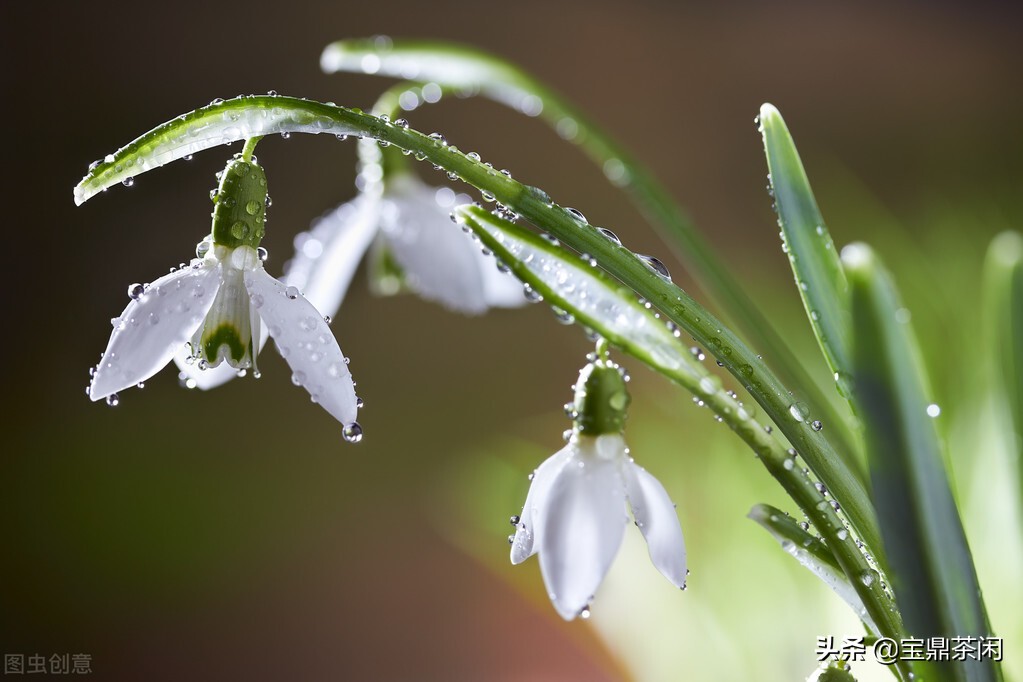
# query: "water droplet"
[[239, 230], [285, 134], [656, 265], [788, 464], [799, 411], [514, 520], [252, 207], [262, 254], [563, 316], [817, 425], [585, 613], [128, 182], [867, 577], [135, 291], [577, 215], [842, 534], [610, 235], [933, 410], [113, 400], [531, 294], [352, 433], [292, 293]]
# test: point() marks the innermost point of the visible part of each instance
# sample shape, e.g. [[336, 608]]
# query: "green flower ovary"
[[601, 400], [239, 214]]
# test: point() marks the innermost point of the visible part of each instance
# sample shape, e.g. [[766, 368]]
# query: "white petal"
[[306, 343], [205, 379], [154, 327], [525, 543], [583, 524], [656, 517], [441, 263], [500, 289], [327, 256]]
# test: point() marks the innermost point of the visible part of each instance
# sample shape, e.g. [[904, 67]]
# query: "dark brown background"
[[232, 535]]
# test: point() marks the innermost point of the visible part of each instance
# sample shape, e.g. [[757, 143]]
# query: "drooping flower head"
[[215, 307], [575, 513]]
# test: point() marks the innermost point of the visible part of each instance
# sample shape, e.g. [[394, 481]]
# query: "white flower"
[[412, 223], [215, 306], [440, 263], [575, 512]]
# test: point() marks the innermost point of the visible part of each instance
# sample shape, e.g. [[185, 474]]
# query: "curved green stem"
[[246, 117], [467, 70], [250, 147]]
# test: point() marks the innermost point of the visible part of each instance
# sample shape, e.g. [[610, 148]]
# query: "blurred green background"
[[233, 535]]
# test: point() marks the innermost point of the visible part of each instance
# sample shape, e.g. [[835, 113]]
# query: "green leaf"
[[221, 122], [932, 569], [469, 71], [820, 279], [583, 293], [815, 556], [577, 287], [1003, 274]]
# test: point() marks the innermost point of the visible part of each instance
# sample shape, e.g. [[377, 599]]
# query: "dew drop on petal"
[[352, 433], [113, 400]]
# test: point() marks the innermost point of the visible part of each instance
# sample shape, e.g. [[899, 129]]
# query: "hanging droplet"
[[563, 316], [514, 520], [352, 433], [113, 400], [135, 291], [263, 254]]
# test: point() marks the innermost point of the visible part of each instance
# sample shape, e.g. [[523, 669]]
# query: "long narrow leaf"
[[472, 71], [820, 279], [599, 302], [815, 556], [1003, 273], [931, 566]]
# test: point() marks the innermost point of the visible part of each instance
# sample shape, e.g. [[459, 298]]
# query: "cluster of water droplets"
[[221, 122]]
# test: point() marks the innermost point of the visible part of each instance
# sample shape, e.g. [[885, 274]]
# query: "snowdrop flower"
[[216, 308], [409, 224], [440, 264], [575, 512]]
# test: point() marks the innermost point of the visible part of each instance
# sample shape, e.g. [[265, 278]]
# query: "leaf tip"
[[857, 257], [768, 111], [330, 58]]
